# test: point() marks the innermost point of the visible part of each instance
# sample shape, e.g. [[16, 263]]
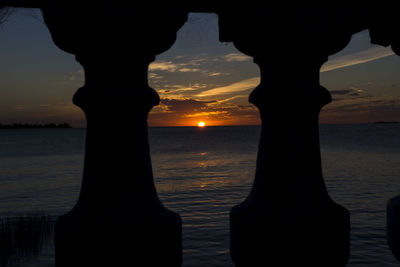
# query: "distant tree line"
[[31, 126]]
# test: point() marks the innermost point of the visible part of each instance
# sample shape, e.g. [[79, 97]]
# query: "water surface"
[[201, 173]]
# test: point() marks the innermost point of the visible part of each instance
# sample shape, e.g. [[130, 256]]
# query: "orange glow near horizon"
[[160, 119], [201, 124]]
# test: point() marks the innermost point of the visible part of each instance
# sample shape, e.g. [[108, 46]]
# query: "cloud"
[[189, 70], [225, 113], [190, 108], [201, 59], [205, 114], [341, 92], [212, 73], [232, 88], [154, 76], [365, 103], [20, 107], [170, 66], [177, 91], [364, 109], [357, 58], [184, 105], [232, 57], [191, 87], [77, 75], [184, 89], [59, 108], [163, 66], [183, 112], [218, 102]]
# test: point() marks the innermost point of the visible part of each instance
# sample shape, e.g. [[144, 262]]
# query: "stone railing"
[[288, 216]]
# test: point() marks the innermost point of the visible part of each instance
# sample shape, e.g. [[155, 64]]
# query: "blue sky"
[[198, 79]]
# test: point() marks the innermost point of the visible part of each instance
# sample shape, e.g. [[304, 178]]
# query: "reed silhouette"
[[22, 238]]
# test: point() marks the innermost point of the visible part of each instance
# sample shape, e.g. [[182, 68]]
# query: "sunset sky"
[[198, 79]]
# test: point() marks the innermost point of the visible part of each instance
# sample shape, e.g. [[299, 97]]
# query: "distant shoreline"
[[35, 126]]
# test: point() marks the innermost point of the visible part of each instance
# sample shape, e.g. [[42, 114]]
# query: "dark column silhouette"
[[384, 30], [393, 225], [288, 219], [118, 219]]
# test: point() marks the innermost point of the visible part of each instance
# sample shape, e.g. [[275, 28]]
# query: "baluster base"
[[278, 238], [137, 240]]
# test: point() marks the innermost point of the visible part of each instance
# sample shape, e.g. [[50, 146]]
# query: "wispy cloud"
[[183, 105], [191, 87], [213, 73], [155, 76], [351, 91], [237, 57], [366, 108], [232, 88], [221, 101], [189, 111], [357, 58], [205, 114], [189, 70], [170, 66], [178, 91], [77, 75], [340, 92], [163, 66], [20, 107]]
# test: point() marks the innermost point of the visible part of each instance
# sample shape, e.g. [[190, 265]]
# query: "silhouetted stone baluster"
[[118, 219], [384, 30], [288, 219], [118, 216], [393, 225]]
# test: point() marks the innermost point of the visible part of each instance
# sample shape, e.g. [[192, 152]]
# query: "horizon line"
[[252, 125]]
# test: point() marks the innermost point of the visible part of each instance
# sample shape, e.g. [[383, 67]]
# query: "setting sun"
[[201, 124]]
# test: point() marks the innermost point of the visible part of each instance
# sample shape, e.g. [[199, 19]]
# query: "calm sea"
[[201, 174]]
